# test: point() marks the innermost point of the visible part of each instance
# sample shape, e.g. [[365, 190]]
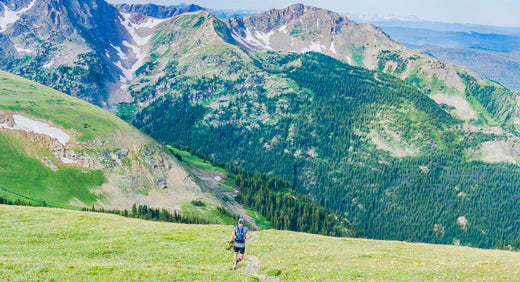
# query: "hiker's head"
[[240, 221]]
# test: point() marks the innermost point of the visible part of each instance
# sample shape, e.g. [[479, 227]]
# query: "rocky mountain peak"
[[297, 28], [277, 18]]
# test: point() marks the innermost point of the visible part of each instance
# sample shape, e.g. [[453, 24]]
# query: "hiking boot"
[[234, 265]]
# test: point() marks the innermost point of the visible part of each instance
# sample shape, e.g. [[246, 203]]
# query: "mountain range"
[[489, 51], [401, 144]]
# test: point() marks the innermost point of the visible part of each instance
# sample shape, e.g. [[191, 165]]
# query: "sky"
[[487, 12]]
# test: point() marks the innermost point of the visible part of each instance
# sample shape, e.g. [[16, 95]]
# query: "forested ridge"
[[322, 142]]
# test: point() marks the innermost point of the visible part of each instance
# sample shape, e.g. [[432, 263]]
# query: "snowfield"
[[30, 125], [10, 17]]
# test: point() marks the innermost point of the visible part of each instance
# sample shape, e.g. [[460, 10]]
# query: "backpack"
[[240, 238]]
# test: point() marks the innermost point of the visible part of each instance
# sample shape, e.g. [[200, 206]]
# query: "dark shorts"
[[240, 250]]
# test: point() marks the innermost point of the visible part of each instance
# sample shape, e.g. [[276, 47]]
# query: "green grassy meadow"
[[209, 212], [195, 161], [55, 244]]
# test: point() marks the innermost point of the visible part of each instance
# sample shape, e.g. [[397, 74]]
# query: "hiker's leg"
[[235, 256], [242, 252]]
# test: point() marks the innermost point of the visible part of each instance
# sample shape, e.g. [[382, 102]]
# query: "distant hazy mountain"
[[455, 39], [503, 67], [162, 12], [232, 13], [158, 11], [491, 52], [438, 26]]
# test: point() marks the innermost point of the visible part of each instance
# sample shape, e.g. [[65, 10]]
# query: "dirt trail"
[[253, 266]]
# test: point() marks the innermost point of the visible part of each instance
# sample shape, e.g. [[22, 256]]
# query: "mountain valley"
[[400, 144]]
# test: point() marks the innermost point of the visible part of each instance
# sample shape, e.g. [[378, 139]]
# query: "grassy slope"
[[21, 172], [24, 175], [195, 161], [21, 95], [61, 244]]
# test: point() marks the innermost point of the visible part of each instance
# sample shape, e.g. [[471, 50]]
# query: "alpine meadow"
[[135, 139]]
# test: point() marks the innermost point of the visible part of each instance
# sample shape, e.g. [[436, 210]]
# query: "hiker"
[[238, 238]]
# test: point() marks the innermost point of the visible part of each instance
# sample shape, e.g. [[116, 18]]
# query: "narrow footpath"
[[253, 266]]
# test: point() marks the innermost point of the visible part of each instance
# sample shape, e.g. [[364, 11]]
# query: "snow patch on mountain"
[[150, 23], [10, 17], [140, 55], [30, 125], [241, 40], [265, 37], [127, 72], [21, 50], [259, 39], [120, 52], [48, 65], [316, 46], [135, 30]]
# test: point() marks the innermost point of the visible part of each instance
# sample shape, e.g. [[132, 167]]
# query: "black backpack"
[[240, 238]]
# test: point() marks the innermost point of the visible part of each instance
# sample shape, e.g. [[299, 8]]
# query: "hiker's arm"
[[248, 235], [232, 237]]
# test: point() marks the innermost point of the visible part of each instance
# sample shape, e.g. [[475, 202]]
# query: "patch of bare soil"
[[396, 148], [463, 109], [497, 152]]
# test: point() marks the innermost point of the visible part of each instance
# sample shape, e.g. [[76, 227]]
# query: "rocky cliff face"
[[300, 28]]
